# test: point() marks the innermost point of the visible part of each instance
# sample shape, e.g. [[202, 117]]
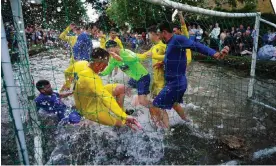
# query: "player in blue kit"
[[175, 70], [51, 103]]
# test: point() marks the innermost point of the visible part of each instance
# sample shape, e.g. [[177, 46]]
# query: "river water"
[[216, 101]]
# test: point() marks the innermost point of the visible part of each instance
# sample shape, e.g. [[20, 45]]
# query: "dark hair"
[[99, 54], [152, 28], [41, 84], [176, 26], [90, 25], [110, 43], [113, 29], [77, 28], [165, 26]]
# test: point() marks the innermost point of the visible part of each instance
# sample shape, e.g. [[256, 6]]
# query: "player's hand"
[[159, 65], [222, 53], [115, 56], [72, 26], [133, 123]]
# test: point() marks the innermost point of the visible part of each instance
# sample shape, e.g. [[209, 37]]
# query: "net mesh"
[[225, 121]]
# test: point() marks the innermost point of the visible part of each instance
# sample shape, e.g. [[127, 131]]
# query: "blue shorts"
[[170, 94], [141, 85]]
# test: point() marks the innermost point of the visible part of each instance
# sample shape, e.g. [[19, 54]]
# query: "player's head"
[[99, 59], [165, 31], [91, 28], [153, 34], [77, 30], [177, 30], [112, 46], [44, 87], [113, 33]]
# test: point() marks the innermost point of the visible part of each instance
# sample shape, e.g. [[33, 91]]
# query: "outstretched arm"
[[109, 68], [184, 29], [203, 49]]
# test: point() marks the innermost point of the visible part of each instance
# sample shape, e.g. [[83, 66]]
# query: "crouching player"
[[96, 101]]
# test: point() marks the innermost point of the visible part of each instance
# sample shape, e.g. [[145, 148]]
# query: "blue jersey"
[[51, 104], [175, 57], [83, 47]]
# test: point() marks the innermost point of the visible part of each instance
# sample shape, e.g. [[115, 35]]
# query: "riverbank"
[[264, 69]]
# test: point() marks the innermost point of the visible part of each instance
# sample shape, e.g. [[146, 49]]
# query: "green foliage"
[[141, 14], [47, 14], [59, 15]]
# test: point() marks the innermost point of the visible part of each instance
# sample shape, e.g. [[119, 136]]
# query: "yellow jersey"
[[158, 55], [93, 100]]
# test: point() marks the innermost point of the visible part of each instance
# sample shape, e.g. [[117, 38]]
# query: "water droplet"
[[32, 1], [19, 22], [59, 1], [83, 0], [58, 9], [21, 31]]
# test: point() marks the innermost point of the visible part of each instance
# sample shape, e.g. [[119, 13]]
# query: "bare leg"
[[180, 111], [159, 117], [119, 94]]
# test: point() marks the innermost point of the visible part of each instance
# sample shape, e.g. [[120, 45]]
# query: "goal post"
[[189, 8]]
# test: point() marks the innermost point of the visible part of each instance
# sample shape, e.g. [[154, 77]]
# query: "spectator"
[[233, 31], [133, 41], [199, 33], [192, 32], [271, 36], [249, 29], [241, 29], [238, 43], [214, 42], [247, 44], [207, 35], [144, 37], [267, 52]]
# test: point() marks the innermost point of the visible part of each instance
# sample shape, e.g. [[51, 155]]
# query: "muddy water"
[[215, 101]]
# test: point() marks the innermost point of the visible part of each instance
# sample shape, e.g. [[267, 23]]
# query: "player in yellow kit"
[[95, 101], [71, 40], [102, 39], [183, 31], [157, 53]]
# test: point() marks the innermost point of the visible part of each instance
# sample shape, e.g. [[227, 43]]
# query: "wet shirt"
[[90, 95], [83, 47], [129, 65], [51, 104], [175, 57]]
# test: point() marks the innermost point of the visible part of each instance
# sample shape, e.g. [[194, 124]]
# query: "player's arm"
[[158, 52], [184, 28], [96, 86], [63, 36], [129, 58], [143, 56], [68, 74], [64, 95], [109, 68], [203, 49]]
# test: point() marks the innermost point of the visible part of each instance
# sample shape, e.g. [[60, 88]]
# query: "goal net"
[[230, 101]]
